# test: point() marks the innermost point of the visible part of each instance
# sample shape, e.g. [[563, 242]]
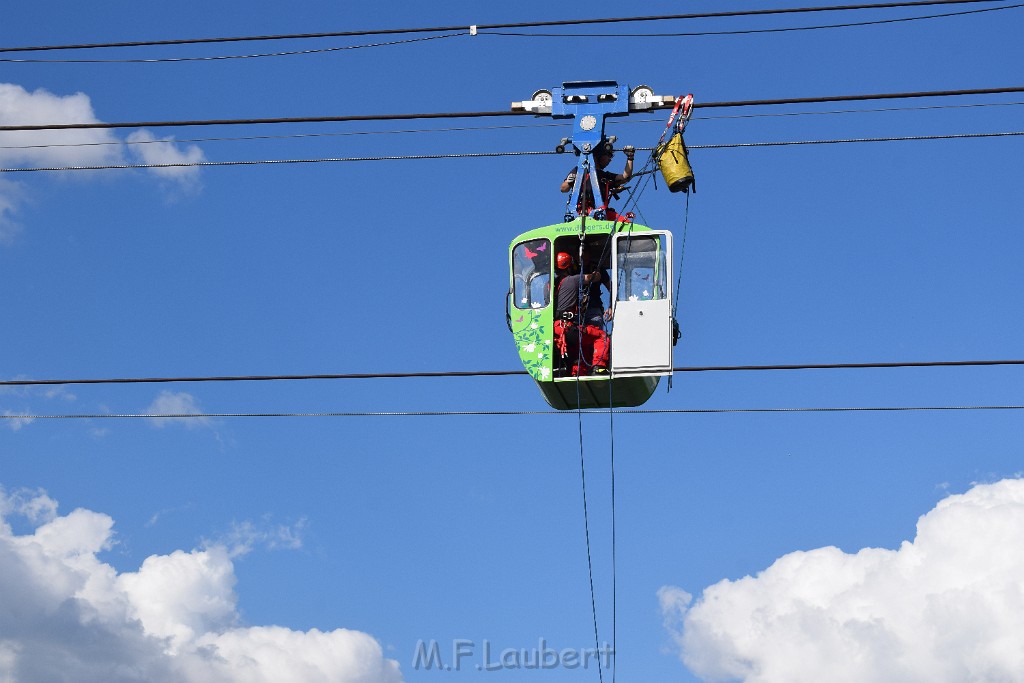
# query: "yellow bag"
[[675, 166]]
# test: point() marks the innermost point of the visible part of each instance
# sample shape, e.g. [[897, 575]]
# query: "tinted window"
[[641, 268], [531, 271]]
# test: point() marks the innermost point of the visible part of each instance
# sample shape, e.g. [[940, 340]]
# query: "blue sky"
[[332, 546]]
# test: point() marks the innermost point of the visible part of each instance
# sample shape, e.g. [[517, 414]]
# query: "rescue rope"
[[679, 279], [583, 478], [682, 254], [586, 529], [580, 312], [615, 602]]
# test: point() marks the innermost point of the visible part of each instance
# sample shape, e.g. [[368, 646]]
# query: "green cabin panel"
[[531, 317]]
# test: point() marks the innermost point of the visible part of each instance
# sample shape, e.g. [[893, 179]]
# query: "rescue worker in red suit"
[[573, 329], [609, 183]]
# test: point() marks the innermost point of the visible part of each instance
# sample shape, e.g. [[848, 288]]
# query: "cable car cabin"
[[560, 353]]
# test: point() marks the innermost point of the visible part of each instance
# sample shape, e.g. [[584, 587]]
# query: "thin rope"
[[579, 415], [682, 254], [839, 141], [876, 110], [221, 57], [740, 32], [262, 162], [483, 27], [615, 601], [586, 516]]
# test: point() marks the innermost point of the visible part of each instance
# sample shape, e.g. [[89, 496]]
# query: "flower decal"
[[531, 340]]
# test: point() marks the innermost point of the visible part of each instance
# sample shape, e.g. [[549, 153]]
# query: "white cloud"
[[948, 606], [183, 595], [68, 617], [79, 147], [76, 147], [176, 403], [149, 150], [244, 536], [160, 514], [11, 198], [60, 392], [35, 506], [15, 421]]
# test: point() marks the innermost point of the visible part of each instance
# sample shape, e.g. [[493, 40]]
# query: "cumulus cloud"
[[82, 147], [66, 616], [947, 606], [165, 152], [176, 403], [35, 506], [79, 147]]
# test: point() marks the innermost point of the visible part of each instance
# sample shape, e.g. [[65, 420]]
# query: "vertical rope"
[[579, 421], [611, 438], [682, 253], [586, 528]]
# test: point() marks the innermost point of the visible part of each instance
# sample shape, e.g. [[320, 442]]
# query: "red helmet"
[[563, 260]]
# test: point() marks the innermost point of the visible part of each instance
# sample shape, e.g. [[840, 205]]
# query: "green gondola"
[[641, 331], [581, 355]]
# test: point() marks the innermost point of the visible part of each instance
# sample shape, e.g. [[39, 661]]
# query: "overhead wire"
[[484, 32], [787, 29], [272, 162], [510, 413], [485, 114], [218, 58], [498, 373], [840, 141], [457, 129], [476, 28], [492, 155], [293, 136]]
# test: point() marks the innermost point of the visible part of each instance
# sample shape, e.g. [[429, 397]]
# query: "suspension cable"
[[480, 27], [25, 416], [480, 114], [300, 136], [490, 155], [485, 32], [741, 32], [495, 373], [221, 58]]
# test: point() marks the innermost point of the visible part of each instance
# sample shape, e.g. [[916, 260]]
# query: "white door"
[[642, 286]]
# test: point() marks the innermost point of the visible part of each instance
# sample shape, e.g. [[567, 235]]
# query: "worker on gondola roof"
[[610, 183]]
